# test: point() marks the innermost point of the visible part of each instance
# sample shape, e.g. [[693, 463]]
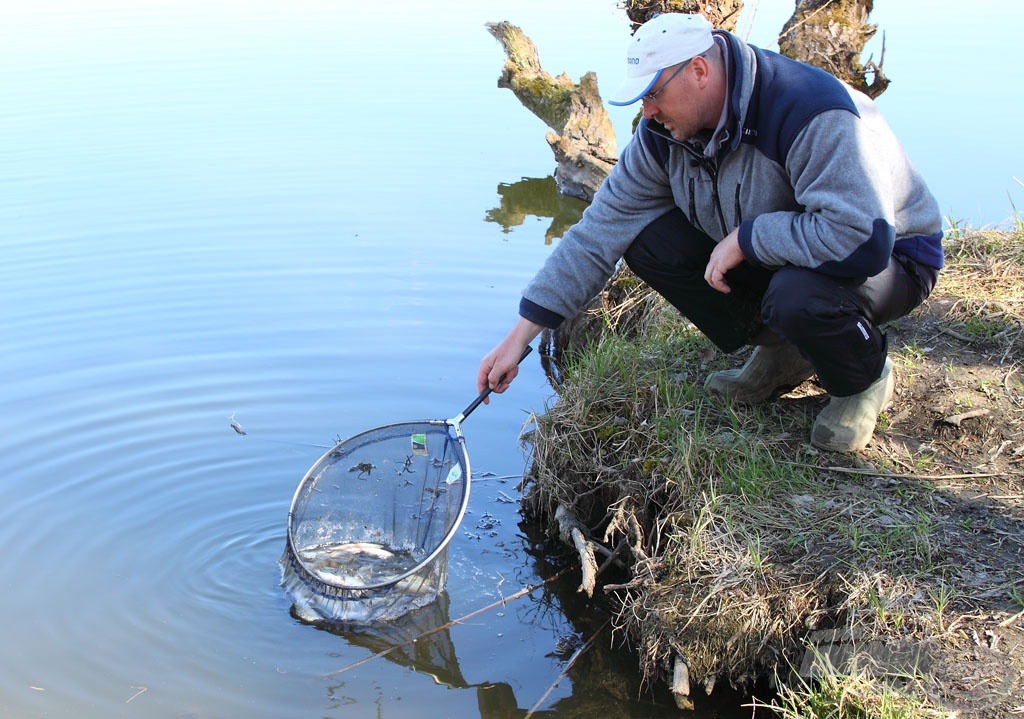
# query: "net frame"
[[318, 596], [437, 484]]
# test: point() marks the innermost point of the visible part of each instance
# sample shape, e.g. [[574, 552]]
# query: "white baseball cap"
[[663, 41]]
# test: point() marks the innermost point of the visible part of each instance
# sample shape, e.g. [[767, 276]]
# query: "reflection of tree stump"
[[831, 34], [538, 197], [582, 136]]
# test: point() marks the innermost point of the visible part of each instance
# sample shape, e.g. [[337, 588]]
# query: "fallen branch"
[[1011, 620], [897, 475], [956, 335], [929, 477]]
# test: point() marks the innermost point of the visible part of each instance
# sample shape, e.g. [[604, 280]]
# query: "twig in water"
[[493, 605], [565, 670], [141, 690]]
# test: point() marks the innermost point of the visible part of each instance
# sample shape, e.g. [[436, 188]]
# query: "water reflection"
[[537, 196], [419, 640], [600, 678]]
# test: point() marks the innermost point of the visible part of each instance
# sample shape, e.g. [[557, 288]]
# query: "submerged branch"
[[572, 532], [565, 670]]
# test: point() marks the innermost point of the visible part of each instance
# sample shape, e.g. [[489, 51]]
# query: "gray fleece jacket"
[[805, 167]]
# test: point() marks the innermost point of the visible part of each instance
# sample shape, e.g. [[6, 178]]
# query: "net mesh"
[[371, 520]]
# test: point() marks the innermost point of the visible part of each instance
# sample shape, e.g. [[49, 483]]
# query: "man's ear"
[[701, 69]]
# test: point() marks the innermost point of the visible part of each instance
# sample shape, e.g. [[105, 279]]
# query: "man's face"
[[673, 102]]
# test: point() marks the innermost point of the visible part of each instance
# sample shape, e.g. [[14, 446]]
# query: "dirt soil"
[[961, 406], [956, 429]]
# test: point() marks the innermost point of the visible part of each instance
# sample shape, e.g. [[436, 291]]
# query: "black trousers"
[[833, 321]]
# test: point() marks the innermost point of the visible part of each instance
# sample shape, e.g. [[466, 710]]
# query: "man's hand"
[[726, 255], [501, 365]]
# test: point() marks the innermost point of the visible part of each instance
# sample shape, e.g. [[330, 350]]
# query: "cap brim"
[[634, 88]]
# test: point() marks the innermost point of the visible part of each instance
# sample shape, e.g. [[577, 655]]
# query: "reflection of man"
[[412, 640], [498, 701], [771, 205]]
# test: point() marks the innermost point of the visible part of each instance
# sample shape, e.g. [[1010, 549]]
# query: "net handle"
[[483, 395]]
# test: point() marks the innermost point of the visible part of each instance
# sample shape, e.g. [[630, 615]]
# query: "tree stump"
[[582, 136]]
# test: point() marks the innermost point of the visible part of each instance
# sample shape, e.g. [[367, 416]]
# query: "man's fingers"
[[483, 375], [496, 374], [500, 380], [501, 365], [716, 278]]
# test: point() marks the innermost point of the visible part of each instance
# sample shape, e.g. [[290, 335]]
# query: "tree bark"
[[722, 14], [831, 34]]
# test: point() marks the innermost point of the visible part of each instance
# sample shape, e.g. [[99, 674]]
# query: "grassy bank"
[[883, 584]]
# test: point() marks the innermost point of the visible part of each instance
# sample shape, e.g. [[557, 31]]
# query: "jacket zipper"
[[711, 167]]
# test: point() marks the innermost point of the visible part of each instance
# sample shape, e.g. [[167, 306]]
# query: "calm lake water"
[[312, 221]]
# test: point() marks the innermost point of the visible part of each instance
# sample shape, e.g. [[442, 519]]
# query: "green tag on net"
[[419, 443]]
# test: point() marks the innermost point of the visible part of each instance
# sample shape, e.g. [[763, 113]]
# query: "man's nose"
[[649, 109]]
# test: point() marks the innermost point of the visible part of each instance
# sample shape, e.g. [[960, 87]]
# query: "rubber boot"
[[847, 423], [769, 368]]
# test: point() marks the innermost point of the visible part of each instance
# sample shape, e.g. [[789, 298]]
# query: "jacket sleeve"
[[635, 193], [839, 167]]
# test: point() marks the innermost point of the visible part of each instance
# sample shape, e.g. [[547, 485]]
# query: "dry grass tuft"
[[984, 276]]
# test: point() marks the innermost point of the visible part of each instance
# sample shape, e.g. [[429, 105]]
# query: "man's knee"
[[799, 302]]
